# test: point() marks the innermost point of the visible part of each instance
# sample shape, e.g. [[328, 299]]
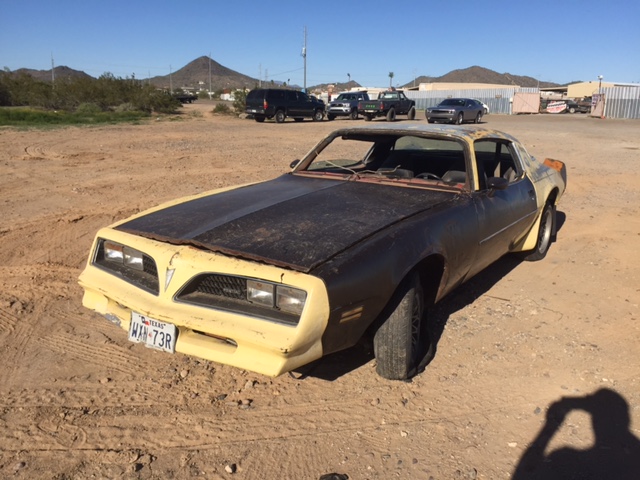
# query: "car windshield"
[[452, 102], [405, 158]]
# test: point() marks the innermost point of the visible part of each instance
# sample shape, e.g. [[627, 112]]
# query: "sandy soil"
[[77, 400]]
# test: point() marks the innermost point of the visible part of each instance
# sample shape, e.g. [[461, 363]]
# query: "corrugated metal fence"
[[497, 99], [621, 102]]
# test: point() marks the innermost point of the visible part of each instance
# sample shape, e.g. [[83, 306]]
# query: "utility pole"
[[53, 71], [170, 80], [209, 74], [304, 56]]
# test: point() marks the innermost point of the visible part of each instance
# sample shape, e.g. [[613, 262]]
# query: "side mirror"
[[497, 183], [294, 164]]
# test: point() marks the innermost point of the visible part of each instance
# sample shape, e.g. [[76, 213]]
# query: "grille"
[[222, 286]]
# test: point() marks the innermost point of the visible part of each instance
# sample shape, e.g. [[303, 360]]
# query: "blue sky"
[[558, 41]]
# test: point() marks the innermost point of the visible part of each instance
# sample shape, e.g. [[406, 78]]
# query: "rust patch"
[[555, 164]]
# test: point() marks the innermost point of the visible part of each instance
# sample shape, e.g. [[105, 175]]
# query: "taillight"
[[265, 104]]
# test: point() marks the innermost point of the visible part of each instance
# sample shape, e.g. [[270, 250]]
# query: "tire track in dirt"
[[113, 356], [7, 322]]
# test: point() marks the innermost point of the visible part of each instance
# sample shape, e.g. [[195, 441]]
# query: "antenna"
[[53, 74]]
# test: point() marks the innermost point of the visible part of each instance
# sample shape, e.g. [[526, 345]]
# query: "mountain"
[[58, 72], [196, 75], [203, 71], [477, 74]]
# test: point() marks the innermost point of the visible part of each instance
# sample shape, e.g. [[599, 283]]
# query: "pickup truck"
[[346, 105], [185, 97], [389, 104]]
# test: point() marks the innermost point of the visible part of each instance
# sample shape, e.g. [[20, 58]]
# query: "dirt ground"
[[77, 400]]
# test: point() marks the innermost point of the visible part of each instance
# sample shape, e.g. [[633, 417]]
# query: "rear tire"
[[396, 343], [412, 113], [280, 116], [259, 119], [478, 117], [318, 116], [368, 118], [391, 115], [545, 235]]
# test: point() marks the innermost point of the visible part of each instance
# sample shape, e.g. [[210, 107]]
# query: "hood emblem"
[[168, 277]]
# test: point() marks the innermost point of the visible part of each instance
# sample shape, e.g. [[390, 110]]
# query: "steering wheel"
[[429, 175]]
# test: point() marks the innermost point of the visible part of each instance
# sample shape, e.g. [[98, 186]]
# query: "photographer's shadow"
[[615, 454]]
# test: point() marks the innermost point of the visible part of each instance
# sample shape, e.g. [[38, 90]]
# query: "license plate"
[[253, 110], [152, 333]]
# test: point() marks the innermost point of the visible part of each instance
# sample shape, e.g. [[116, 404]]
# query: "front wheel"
[[412, 113], [330, 117], [318, 116], [280, 116], [391, 115], [545, 234], [354, 114], [460, 119], [396, 343]]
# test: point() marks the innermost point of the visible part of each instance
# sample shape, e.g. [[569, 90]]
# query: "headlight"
[[260, 292], [287, 299], [290, 299], [114, 252]]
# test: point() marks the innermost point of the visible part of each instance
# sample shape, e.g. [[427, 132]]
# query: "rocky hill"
[[58, 72], [197, 74], [477, 74], [204, 72]]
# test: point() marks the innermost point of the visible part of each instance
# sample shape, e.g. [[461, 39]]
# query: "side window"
[[497, 158], [291, 96], [276, 95]]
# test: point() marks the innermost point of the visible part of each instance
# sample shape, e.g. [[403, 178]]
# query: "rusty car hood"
[[292, 221]]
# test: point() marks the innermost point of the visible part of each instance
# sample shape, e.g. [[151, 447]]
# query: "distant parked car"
[[279, 103], [484, 105], [346, 105], [456, 110]]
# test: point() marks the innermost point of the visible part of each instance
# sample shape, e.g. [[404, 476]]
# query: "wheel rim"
[[544, 236], [460, 119]]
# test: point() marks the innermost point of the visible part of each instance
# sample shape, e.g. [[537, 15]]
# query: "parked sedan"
[[368, 230], [456, 110]]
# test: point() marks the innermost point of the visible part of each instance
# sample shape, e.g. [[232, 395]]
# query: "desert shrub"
[[240, 100], [88, 109], [222, 108]]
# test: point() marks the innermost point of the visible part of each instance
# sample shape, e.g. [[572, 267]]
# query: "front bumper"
[[441, 117], [229, 337]]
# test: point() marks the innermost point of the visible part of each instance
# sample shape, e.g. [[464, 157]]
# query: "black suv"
[[279, 103]]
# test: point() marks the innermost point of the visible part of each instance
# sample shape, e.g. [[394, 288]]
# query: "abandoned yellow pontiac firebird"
[[367, 231]]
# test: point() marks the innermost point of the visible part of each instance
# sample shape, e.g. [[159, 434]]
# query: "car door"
[[469, 110], [505, 213]]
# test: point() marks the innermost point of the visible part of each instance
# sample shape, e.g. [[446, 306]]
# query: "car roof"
[[468, 134]]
